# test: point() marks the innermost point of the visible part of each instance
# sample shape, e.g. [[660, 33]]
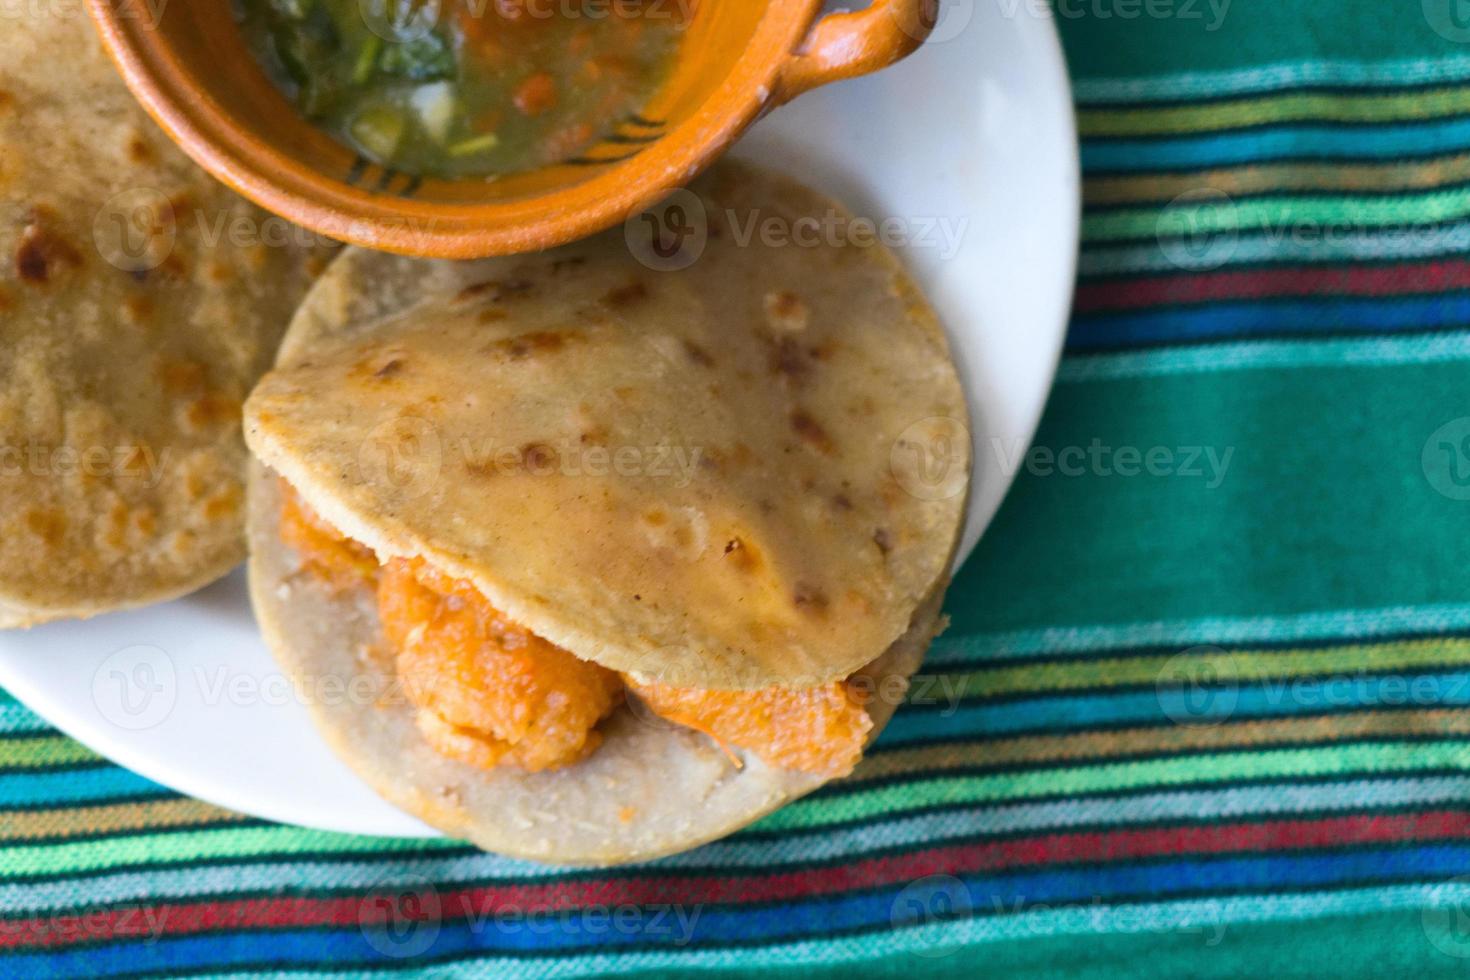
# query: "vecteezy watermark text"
[[403, 919], [1210, 14], [132, 462], [1209, 463], [410, 454]]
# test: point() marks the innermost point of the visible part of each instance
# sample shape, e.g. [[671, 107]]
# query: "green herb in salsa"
[[458, 88]]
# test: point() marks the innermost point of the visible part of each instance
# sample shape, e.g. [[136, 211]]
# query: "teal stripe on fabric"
[[1321, 511], [1340, 624], [754, 856], [1317, 143], [16, 718], [1259, 355], [1199, 926], [90, 785], [1259, 79], [1191, 545], [1272, 217], [1117, 40], [968, 724], [1334, 244]]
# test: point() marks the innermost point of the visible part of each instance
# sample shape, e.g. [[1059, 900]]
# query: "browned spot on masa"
[[742, 555], [380, 364], [494, 290], [183, 542], [812, 432], [174, 267], [7, 101], [47, 523], [698, 354], [139, 152], [138, 309], [883, 540], [135, 462], [42, 252], [213, 409], [222, 505], [536, 342], [117, 518], [786, 312], [389, 368], [789, 361], [625, 296], [182, 377], [809, 598], [476, 291], [538, 458]]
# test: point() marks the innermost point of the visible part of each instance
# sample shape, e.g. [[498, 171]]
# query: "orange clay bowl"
[[188, 64]]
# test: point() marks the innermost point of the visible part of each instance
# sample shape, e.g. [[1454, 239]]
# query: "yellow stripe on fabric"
[[1312, 178], [111, 818], [187, 846], [43, 750], [1233, 665], [891, 799], [1288, 107], [1104, 745]]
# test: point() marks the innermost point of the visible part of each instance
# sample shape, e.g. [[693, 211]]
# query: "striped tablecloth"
[[1202, 710]]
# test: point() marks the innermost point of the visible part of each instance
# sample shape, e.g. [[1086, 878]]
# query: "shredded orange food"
[[326, 551], [490, 692], [819, 730]]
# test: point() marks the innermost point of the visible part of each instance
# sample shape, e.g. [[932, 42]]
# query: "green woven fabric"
[[1202, 709]]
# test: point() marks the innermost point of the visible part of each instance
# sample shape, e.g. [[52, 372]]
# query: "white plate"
[[973, 137]]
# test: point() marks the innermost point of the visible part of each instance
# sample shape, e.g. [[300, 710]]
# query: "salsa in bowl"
[[466, 88], [725, 63]]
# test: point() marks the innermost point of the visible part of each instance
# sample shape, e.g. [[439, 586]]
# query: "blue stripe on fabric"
[[74, 786], [986, 895], [1294, 696], [1336, 244], [1295, 143], [1258, 79], [1251, 355], [1221, 321], [1343, 625]]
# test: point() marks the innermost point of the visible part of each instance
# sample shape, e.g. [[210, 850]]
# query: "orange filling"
[[490, 692], [344, 563], [812, 729]]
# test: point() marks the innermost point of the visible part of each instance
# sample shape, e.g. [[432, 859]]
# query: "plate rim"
[[23, 687]]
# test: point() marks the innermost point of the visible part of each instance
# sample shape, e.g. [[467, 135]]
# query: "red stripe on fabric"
[[1100, 297], [480, 904]]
